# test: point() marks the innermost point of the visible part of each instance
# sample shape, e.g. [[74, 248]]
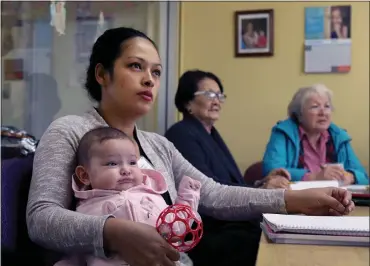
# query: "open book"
[[319, 225]]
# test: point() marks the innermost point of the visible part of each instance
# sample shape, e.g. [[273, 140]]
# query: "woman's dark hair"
[[106, 49], [188, 85]]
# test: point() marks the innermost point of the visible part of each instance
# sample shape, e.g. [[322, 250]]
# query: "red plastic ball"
[[180, 226]]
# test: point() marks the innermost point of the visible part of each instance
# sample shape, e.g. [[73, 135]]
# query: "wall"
[[259, 89]]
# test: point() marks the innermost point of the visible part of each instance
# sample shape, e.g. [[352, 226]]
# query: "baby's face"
[[113, 165]]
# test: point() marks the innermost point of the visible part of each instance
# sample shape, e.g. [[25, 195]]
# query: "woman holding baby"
[[309, 145], [123, 78]]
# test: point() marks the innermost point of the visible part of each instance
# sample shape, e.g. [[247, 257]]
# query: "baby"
[[108, 181]]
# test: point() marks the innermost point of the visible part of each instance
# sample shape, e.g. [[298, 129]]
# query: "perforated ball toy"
[[180, 226]]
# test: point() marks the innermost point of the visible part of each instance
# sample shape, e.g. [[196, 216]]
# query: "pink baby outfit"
[[141, 203]]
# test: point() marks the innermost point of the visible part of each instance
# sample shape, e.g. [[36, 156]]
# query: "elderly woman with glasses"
[[309, 146], [199, 98]]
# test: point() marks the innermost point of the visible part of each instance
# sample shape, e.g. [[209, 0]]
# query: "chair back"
[[253, 173], [16, 176]]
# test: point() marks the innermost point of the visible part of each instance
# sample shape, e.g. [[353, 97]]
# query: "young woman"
[[123, 78]]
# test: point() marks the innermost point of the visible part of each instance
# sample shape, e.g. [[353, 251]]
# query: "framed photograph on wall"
[[254, 33]]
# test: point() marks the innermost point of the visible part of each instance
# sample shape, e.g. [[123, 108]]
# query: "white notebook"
[[319, 225], [313, 184], [307, 239], [360, 189]]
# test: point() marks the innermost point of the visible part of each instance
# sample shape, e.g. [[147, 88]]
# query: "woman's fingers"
[[280, 172], [172, 253], [167, 262]]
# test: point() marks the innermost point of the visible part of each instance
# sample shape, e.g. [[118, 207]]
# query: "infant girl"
[[108, 181]]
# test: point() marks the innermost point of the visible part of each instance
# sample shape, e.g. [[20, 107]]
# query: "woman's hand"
[[276, 182], [348, 178], [278, 178], [138, 244], [329, 172], [280, 172], [319, 201]]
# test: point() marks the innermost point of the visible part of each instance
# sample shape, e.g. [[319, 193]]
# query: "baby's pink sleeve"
[[189, 192]]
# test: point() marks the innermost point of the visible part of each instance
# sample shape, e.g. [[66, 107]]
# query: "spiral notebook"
[[319, 225], [307, 239]]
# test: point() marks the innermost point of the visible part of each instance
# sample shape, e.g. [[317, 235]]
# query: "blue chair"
[[16, 246]]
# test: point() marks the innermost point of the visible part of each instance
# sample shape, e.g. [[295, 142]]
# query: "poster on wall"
[[87, 28], [83, 9], [328, 43], [58, 16]]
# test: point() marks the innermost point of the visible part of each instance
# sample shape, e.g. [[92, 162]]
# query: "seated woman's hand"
[[329, 172], [138, 244], [348, 178], [319, 201], [280, 172], [278, 178], [276, 182]]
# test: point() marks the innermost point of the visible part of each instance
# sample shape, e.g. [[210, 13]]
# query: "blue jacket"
[[283, 150]]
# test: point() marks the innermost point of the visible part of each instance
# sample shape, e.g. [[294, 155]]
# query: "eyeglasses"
[[211, 95], [317, 109]]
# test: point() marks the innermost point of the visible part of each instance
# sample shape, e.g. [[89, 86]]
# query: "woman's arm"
[[225, 202], [49, 221], [353, 165], [276, 157]]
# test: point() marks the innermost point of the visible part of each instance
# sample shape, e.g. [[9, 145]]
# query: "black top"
[[166, 195], [207, 152]]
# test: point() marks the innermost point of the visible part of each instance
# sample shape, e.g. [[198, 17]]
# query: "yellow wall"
[[259, 89]]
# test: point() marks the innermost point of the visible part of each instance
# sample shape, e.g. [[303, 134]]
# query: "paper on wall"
[[101, 26], [58, 16]]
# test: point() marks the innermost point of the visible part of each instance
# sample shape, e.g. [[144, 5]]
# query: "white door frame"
[[169, 16]]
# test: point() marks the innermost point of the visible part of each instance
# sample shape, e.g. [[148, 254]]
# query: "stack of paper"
[[360, 193], [359, 189], [313, 184], [317, 230]]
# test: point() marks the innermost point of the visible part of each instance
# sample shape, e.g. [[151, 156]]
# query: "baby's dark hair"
[[97, 135]]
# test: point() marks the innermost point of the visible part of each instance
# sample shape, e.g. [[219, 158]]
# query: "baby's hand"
[[194, 185], [188, 183], [189, 192]]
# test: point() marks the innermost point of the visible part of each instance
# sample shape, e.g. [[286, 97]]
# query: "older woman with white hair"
[[309, 146]]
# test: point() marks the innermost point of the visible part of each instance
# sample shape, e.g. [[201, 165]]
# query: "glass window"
[[44, 70]]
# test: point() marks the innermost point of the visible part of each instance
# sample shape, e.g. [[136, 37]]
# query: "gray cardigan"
[[52, 225]]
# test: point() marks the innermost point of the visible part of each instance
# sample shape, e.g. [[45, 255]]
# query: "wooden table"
[[270, 254]]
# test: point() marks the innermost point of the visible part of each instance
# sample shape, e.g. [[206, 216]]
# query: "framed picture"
[[254, 33]]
